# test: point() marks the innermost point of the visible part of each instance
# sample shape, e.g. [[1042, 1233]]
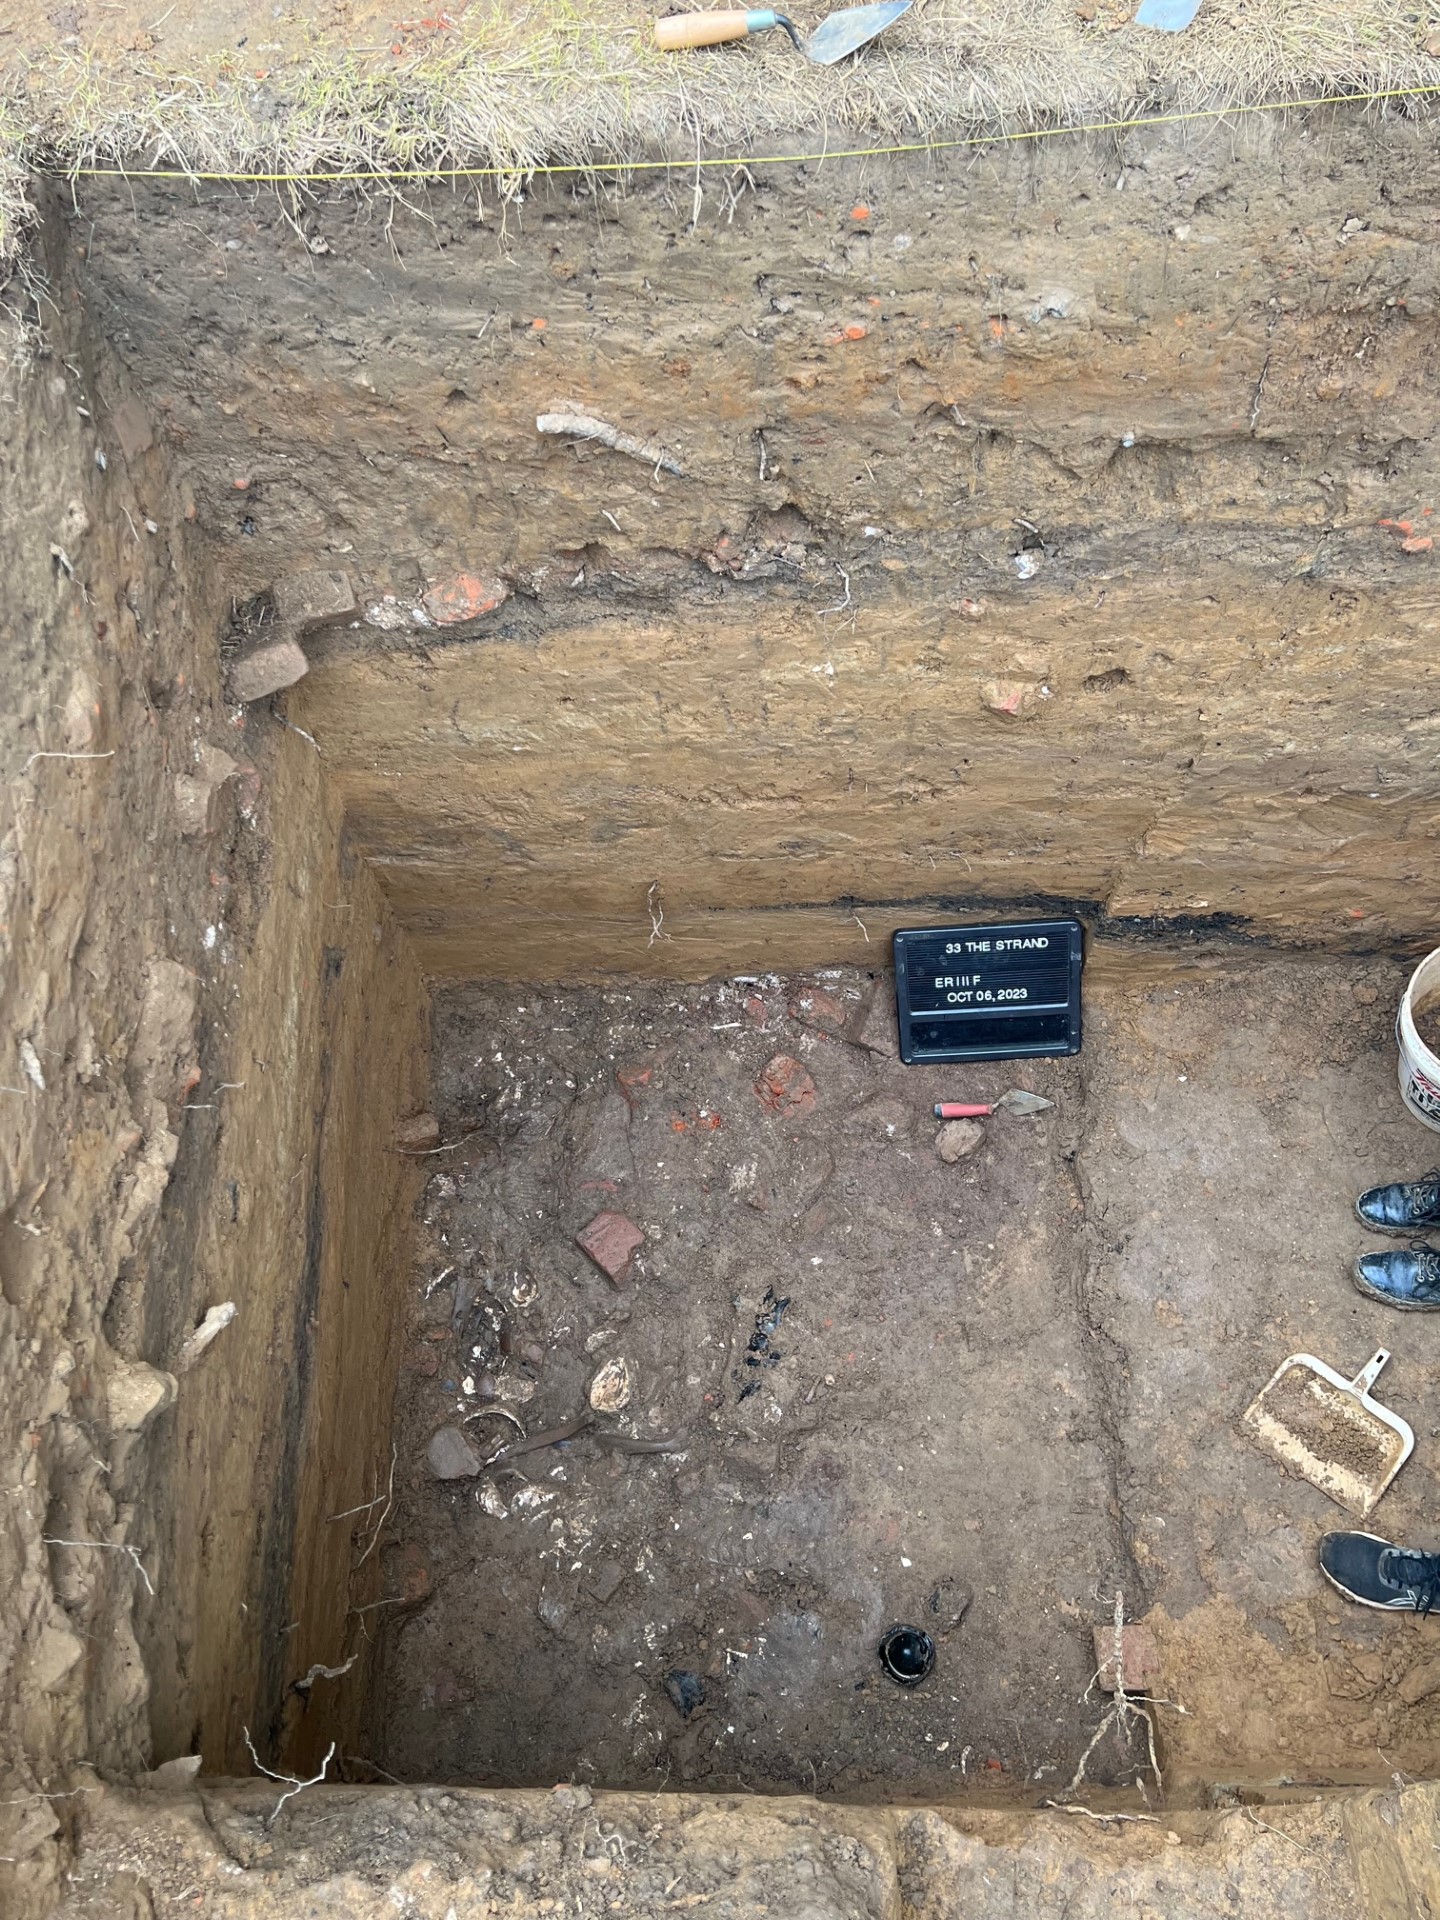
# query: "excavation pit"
[[1019, 564]]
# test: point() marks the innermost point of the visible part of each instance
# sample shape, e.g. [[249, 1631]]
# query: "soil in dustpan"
[[1330, 1425]]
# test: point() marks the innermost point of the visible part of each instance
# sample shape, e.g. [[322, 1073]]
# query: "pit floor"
[[1016, 1378]]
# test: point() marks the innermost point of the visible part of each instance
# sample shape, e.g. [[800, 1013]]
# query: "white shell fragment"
[[610, 1389], [215, 1322]]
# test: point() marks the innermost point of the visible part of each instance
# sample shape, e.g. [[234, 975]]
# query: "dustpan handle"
[[1370, 1372]]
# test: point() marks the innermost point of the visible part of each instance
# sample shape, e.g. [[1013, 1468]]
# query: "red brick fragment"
[[610, 1241], [1012, 699], [1139, 1652], [814, 1007], [463, 597], [785, 1088]]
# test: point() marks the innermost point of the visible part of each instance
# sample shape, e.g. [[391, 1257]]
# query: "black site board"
[[1006, 992]]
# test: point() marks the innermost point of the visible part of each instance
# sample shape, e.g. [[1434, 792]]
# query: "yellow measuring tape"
[[527, 170]]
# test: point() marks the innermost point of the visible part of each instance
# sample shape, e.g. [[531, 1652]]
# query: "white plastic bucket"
[[1419, 1068]]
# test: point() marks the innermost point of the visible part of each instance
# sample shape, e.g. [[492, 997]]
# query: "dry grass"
[[577, 82]]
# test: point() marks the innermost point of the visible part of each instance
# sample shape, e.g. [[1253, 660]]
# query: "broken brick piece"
[[876, 1029], [418, 1134], [268, 668], [815, 1008], [1139, 1653], [465, 596], [785, 1087], [1011, 699], [316, 597], [610, 1241]]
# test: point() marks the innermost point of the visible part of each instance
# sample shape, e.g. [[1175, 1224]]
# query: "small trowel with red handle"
[[844, 32], [1017, 1100]]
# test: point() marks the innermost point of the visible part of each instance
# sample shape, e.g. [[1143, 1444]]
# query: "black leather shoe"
[[1408, 1279], [1406, 1206]]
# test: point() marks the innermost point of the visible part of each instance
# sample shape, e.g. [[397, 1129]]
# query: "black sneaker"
[[1366, 1568], [1408, 1279], [1403, 1207]]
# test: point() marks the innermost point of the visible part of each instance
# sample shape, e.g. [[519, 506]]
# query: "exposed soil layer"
[[980, 1397], [1031, 540], [434, 1852]]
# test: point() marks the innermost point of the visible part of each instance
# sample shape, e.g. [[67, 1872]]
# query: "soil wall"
[[430, 1852], [299, 1211], [209, 1025], [1051, 525]]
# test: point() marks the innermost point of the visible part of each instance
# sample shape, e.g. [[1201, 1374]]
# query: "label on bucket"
[[1002, 992], [1422, 1092]]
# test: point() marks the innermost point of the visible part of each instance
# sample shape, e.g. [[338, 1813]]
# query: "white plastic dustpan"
[[1330, 1429]]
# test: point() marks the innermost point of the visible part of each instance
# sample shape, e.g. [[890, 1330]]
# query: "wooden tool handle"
[[701, 29]]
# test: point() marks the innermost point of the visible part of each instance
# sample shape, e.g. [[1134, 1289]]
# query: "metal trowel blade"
[[848, 31], [1019, 1101], [1170, 16]]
